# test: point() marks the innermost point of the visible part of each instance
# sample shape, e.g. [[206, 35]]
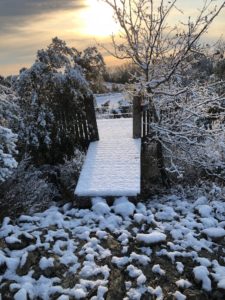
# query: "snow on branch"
[[190, 128], [147, 39]]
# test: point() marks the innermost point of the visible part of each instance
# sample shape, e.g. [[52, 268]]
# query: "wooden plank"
[[85, 128], [76, 127], [105, 166], [148, 122], [144, 123], [81, 130]]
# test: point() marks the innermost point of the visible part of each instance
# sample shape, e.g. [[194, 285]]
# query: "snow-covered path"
[[112, 165]]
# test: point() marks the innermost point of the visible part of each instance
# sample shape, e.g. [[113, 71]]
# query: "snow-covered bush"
[[34, 188], [190, 128], [7, 151], [9, 110], [51, 95], [92, 62], [8, 139]]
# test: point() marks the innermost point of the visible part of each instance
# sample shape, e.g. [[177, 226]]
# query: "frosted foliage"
[[57, 54], [51, 95], [8, 139], [60, 56], [191, 133], [7, 150], [8, 107]]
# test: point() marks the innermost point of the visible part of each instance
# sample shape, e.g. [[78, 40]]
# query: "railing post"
[[91, 118], [137, 116]]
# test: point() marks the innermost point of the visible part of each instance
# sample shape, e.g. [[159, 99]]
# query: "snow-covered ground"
[[112, 165], [167, 248]]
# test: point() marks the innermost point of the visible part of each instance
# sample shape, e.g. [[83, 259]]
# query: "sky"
[[29, 25]]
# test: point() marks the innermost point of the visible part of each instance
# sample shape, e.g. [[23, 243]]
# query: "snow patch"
[[183, 283], [214, 232], [157, 269], [100, 206], [46, 263], [123, 207], [151, 238], [204, 210], [202, 274], [179, 296]]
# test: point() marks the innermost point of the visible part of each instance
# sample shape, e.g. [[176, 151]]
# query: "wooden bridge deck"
[[112, 165]]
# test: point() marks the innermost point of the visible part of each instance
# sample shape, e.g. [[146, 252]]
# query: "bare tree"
[[147, 39], [162, 53]]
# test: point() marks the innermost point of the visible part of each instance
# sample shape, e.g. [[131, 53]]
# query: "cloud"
[[29, 25], [15, 13], [11, 8]]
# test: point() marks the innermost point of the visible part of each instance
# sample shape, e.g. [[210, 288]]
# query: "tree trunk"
[[161, 165], [159, 150]]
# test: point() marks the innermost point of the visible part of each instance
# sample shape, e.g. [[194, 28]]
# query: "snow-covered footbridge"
[[113, 164]]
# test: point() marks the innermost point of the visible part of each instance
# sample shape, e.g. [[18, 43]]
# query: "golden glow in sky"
[[98, 20], [27, 26]]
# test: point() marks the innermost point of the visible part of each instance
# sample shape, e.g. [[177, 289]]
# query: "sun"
[[98, 19]]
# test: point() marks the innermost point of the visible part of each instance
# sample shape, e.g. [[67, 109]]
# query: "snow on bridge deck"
[[112, 165]]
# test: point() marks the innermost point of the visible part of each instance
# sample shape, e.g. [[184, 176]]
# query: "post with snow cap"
[[137, 99]]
